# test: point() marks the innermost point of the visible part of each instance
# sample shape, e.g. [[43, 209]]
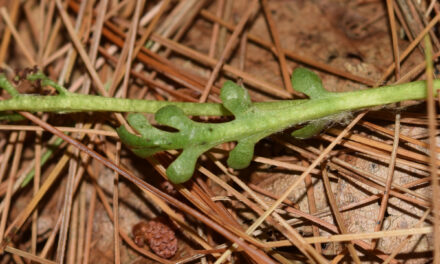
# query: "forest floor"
[[380, 189]]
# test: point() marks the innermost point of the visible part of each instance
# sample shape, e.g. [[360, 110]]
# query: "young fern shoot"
[[251, 123]]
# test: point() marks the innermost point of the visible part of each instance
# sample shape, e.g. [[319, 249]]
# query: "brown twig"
[[337, 215], [7, 33], [432, 148], [228, 49], [279, 49]]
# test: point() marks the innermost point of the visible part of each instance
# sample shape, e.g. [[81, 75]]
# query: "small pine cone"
[[161, 239]]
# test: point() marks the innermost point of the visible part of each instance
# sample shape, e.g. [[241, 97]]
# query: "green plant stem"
[[343, 102], [83, 103]]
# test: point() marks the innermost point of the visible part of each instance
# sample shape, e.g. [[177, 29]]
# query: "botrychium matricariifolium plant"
[[251, 122]]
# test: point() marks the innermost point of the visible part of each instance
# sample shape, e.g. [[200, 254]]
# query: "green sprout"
[[251, 123]]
